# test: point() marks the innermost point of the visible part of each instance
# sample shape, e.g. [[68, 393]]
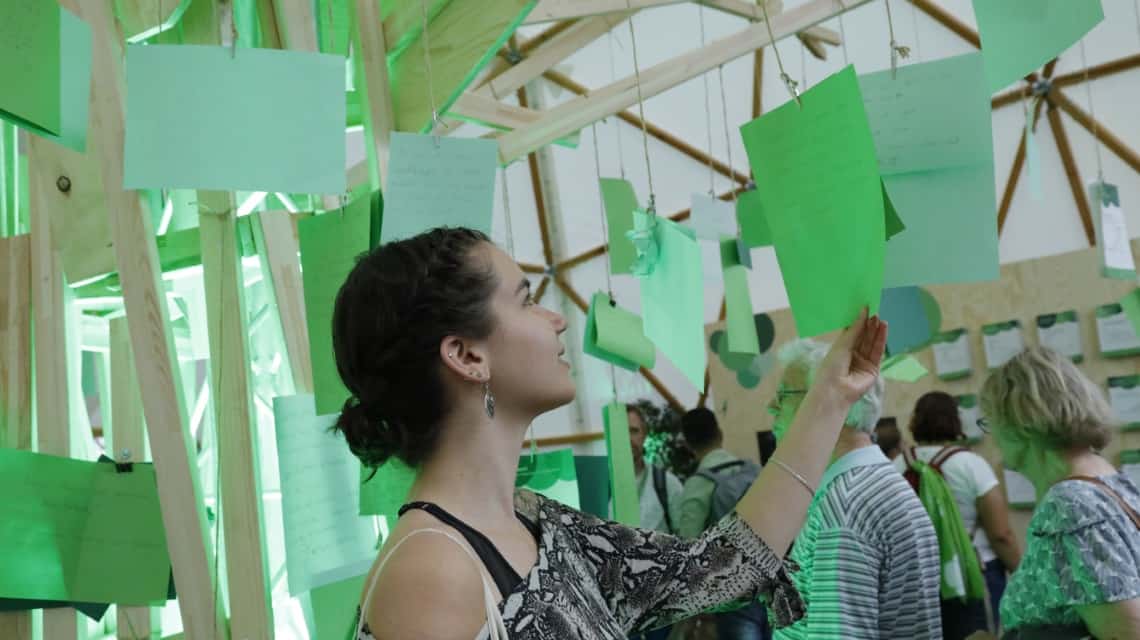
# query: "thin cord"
[[652, 208], [803, 66], [724, 114], [843, 37], [427, 64], [1092, 113], [788, 82], [507, 214], [897, 50], [914, 24], [617, 123], [1136, 10], [605, 238], [708, 107]]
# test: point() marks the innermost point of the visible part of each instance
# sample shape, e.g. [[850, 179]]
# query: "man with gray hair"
[[868, 554]]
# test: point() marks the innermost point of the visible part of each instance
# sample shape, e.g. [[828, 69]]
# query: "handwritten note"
[[437, 182], [30, 65], [952, 358], [202, 117], [1002, 341], [712, 218], [1116, 334], [1061, 332], [326, 541], [1124, 394], [1112, 232]]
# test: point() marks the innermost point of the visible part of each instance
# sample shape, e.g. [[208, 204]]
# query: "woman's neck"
[[1055, 466]]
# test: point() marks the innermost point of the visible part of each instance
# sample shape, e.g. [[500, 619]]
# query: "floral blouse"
[[601, 580]]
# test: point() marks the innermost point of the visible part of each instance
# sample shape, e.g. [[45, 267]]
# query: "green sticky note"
[[750, 216], [903, 368], [1019, 36], [330, 243], [326, 541], [594, 484], [30, 64], [673, 299], [65, 538], [552, 474], [334, 608], [818, 182], [893, 225], [620, 202], [740, 327], [623, 483], [617, 336], [384, 493], [204, 117], [439, 182]]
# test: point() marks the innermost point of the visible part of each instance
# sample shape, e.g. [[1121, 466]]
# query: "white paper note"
[[1115, 333], [1124, 395], [969, 412], [1002, 345], [953, 358], [712, 218], [1063, 334], [1114, 238]]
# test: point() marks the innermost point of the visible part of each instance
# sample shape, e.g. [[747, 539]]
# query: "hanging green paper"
[[750, 216], [1018, 36], [620, 202], [740, 327], [551, 474], [30, 64], [623, 483], [617, 336], [385, 492]]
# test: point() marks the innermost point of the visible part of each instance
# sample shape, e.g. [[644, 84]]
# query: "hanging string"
[[914, 25], [160, 20], [803, 66], [617, 124], [708, 107], [652, 208], [843, 37], [507, 213], [605, 239], [427, 67], [1136, 10], [788, 82], [897, 50], [1092, 113], [727, 135]]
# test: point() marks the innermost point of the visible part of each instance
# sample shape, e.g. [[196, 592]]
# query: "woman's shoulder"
[[1070, 505]]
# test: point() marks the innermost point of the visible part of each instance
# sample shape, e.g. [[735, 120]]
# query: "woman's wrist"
[[824, 401]]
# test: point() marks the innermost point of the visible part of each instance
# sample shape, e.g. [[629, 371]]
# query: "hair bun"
[[368, 436]]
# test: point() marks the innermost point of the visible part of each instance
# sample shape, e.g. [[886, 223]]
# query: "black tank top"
[[504, 575]]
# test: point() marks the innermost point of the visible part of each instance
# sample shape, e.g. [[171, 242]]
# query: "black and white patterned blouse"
[[601, 580]]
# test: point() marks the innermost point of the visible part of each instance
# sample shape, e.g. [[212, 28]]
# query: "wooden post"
[[126, 443], [250, 611], [1071, 171], [374, 86], [183, 512], [15, 375], [277, 242]]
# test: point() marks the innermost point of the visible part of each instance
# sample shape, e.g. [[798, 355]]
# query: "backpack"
[[662, 490], [961, 571], [731, 480]]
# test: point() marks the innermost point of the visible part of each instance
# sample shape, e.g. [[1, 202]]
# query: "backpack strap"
[[1135, 517], [945, 454], [909, 456], [725, 465], [662, 490]]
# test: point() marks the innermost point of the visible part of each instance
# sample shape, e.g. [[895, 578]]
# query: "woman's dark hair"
[[936, 419], [396, 306]]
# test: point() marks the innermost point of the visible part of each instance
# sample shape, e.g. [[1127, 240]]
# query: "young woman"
[[448, 360]]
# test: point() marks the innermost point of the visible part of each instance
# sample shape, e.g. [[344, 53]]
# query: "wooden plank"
[[948, 20], [1094, 72], [813, 46], [16, 375], [141, 19], [374, 85], [744, 8], [561, 441], [551, 10], [183, 512], [404, 19], [1015, 173], [490, 112], [1106, 136], [247, 577], [824, 35], [278, 244], [296, 24], [580, 112], [1072, 173]]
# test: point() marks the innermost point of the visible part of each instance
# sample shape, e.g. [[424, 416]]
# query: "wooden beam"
[[824, 35], [486, 110], [1109, 139], [297, 25], [267, 24], [1071, 171], [551, 10], [539, 199], [750, 10], [1015, 173], [948, 20], [374, 87], [532, 268], [542, 288], [278, 244], [668, 138], [559, 441], [1098, 71], [580, 112], [757, 83], [813, 46], [183, 512]]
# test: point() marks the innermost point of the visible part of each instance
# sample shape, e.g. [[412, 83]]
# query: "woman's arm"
[[847, 372], [1113, 620], [994, 517]]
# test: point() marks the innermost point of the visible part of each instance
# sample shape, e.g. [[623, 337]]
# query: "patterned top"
[[869, 557], [1082, 549], [602, 580]]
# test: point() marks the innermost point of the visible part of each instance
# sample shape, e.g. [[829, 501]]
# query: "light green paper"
[[329, 243], [1131, 305], [750, 216], [1018, 36], [740, 326], [892, 223], [818, 180], [438, 182], [326, 540], [623, 483], [30, 52], [904, 368], [384, 493], [65, 537], [617, 336], [673, 299], [334, 609], [552, 474], [202, 117], [620, 202], [75, 81]]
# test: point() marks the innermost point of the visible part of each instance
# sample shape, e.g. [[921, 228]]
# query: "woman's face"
[[528, 372], [1013, 448]]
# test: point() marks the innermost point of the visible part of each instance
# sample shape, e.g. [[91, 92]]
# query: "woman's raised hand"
[[852, 364]]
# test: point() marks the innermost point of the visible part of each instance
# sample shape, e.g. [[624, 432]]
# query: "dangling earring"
[[488, 400]]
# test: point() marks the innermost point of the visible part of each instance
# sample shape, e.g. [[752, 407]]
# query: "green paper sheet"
[[202, 117], [384, 493], [439, 182], [65, 538], [673, 299], [326, 540], [910, 328], [30, 64], [1131, 306], [623, 483], [893, 225], [617, 336], [552, 474], [330, 243], [740, 327], [750, 216], [334, 609], [818, 180], [75, 82], [904, 368], [594, 484], [1019, 36], [620, 202]]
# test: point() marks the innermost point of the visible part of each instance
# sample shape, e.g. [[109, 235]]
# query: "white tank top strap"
[[496, 629]]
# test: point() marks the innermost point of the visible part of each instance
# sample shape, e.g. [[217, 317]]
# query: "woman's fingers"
[[880, 342]]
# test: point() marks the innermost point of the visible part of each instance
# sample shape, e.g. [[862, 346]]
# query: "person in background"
[[710, 493], [868, 554], [888, 437], [1080, 574], [936, 427]]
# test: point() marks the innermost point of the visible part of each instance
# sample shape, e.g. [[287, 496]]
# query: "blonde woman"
[[1080, 574]]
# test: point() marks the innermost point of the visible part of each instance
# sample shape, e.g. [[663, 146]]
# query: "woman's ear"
[[465, 358]]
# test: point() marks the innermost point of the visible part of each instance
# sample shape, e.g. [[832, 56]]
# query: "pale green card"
[[30, 64], [1019, 36], [620, 203], [617, 336], [334, 609], [903, 368], [673, 300], [750, 216], [438, 182], [739, 322], [326, 540], [75, 81], [330, 243], [623, 483], [204, 117], [384, 493], [818, 182], [552, 474]]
